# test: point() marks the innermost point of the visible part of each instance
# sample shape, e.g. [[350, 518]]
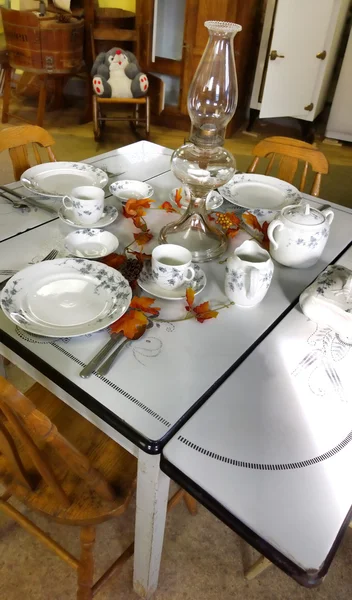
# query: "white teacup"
[[171, 266], [86, 203]]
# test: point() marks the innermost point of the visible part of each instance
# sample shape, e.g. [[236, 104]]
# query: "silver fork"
[[52, 254]]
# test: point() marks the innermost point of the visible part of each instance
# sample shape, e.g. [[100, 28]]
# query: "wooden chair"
[[289, 152], [60, 465], [16, 139], [116, 27]]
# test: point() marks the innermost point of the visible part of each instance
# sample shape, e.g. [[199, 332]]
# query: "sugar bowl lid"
[[303, 214]]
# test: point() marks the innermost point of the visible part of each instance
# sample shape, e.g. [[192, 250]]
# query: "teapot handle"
[[272, 226], [328, 214], [254, 283]]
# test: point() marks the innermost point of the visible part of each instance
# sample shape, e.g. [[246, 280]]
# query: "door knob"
[[321, 55], [274, 55]]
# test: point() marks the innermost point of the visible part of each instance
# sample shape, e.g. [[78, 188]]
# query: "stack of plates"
[[252, 191], [56, 179], [66, 297]]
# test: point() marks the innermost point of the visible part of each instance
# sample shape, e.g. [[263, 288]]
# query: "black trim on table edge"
[[147, 445], [74, 390], [309, 579]]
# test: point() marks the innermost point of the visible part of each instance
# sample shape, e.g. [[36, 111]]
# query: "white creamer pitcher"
[[248, 274]]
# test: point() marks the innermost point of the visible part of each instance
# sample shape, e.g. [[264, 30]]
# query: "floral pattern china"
[[147, 283], [66, 297], [253, 191], [58, 178]]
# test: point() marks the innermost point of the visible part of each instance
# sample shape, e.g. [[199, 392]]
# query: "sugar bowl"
[[299, 234]]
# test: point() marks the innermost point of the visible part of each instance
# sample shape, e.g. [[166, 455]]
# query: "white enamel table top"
[[273, 445], [150, 404]]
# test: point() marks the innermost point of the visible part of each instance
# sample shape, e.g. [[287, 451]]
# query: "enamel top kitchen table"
[[270, 452], [160, 381]]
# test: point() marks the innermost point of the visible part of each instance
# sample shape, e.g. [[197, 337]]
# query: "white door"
[[301, 30]]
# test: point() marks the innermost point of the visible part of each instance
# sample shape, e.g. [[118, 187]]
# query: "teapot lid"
[[303, 214]]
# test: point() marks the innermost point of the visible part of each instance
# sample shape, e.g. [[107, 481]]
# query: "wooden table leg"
[[152, 497], [6, 94], [42, 100]]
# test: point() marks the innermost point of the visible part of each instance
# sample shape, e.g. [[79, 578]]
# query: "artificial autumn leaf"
[[114, 260], [144, 303], [140, 255], [190, 297], [265, 241], [142, 238], [131, 323], [135, 208], [251, 220], [202, 312], [231, 233], [167, 206], [178, 197]]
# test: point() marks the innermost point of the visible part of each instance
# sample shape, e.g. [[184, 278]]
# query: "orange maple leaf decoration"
[[140, 255], [178, 197], [168, 207], [253, 222], [114, 260], [144, 303], [135, 210], [202, 312], [130, 323], [135, 321], [142, 238]]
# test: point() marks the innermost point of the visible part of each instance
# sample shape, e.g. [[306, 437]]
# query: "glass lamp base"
[[194, 232]]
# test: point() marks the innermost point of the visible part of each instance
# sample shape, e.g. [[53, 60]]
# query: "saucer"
[[147, 283], [91, 243], [128, 188], [109, 215]]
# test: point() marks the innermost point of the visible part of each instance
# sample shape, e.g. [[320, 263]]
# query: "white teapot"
[[249, 271], [299, 234]]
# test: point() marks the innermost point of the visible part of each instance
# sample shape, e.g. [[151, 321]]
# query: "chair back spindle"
[[287, 153], [29, 424]]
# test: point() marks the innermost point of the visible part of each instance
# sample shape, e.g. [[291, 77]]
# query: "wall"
[[125, 4]]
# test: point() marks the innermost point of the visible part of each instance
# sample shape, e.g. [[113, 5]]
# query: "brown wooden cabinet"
[[172, 40]]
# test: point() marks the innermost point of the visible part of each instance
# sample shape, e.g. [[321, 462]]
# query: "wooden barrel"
[[43, 44]]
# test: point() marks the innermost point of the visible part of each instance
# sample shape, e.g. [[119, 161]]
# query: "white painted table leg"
[[152, 497]]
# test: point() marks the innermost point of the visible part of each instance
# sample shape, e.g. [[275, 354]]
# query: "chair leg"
[[147, 117], [191, 504], [259, 566], [6, 95], [97, 130], [42, 101], [86, 567]]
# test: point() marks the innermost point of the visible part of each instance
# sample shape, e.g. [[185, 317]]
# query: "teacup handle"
[[272, 226], [69, 200], [189, 278]]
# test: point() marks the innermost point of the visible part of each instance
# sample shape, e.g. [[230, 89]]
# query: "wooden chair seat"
[[114, 463], [284, 156]]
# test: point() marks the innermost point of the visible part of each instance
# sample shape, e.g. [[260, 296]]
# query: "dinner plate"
[[109, 215], [66, 297], [56, 179], [128, 188], [91, 243], [147, 283], [259, 191]]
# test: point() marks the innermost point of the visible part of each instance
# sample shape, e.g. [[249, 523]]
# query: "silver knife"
[[99, 357], [26, 200]]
